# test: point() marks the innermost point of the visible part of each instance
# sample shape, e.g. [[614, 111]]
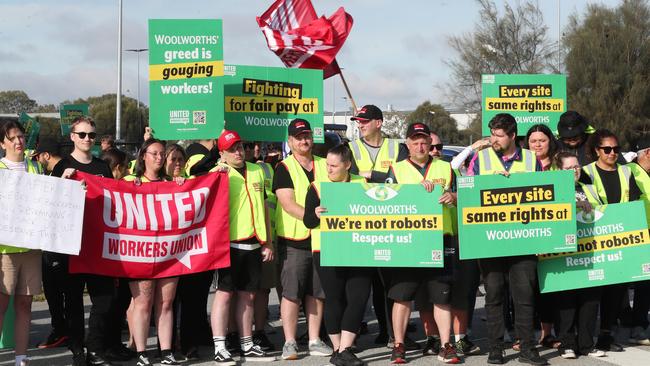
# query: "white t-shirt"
[[12, 165]]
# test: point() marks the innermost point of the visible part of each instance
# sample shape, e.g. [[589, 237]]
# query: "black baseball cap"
[[571, 124], [417, 128], [47, 146], [298, 126], [643, 143], [367, 113]]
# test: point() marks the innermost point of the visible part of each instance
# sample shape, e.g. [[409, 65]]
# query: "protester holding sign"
[[505, 157], [613, 183], [101, 288], [422, 168], [577, 309], [21, 268], [158, 293], [372, 157], [640, 168], [248, 238], [299, 277], [346, 288]]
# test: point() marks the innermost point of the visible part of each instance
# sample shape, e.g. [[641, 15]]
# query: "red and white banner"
[[301, 39], [154, 230]]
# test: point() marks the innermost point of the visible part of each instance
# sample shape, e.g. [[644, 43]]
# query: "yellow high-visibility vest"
[[624, 174], [287, 226], [386, 156], [438, 172], [643, 181], [271, 198], [490, 163]]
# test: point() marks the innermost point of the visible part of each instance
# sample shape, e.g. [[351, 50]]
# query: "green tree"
[[608, 67], [511, 42], [103, 109], [438, 120], [16, 101]]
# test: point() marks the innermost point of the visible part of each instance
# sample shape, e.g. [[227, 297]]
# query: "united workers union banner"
[[613, 247], [185, 69], [531, 99], [525, 213], [154, 230], [381, 225], [68, 114], [261, 101]]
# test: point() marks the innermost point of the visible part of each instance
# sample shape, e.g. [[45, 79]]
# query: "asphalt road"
[[371, 353]]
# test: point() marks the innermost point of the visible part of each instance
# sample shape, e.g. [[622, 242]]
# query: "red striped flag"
[[301, 39]]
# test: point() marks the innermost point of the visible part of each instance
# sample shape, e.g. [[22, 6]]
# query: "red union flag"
[[154, 230], [301, 39]]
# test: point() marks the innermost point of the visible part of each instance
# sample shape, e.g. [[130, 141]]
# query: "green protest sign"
[[68, 113], [261, 101], [613, 247], [32, 129], [531, 99], [185, 69], [381, 225], [524, 213]]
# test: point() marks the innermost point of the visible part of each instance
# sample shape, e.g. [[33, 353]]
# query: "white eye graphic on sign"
[[381, 193]]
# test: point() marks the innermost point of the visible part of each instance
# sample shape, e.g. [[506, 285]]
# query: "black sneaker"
[[448, 354], [465, 347], [191, 354], [54, 341], [606, 343], [532, 357], [169, 359], [94, 359], [432, 347], [347, 358], [496, 356], [120, 353], [334, 358], [260, 339], [398, 356], [255, 354], [223, 358]]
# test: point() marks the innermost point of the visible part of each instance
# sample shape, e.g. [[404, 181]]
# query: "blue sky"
[[65, 49]]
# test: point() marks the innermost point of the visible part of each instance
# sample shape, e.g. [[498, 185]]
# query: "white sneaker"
[[568, 354], [597, 353]]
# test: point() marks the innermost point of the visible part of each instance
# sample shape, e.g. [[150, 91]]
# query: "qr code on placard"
[[570, 239], [646, 267], [198, 117], [436, 255]]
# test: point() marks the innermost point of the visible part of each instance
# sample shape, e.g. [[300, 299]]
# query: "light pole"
[[137, 52], [118, 102]]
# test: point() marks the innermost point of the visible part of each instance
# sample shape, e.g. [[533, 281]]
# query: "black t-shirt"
[[282, 179], [96, 167], [612, 184]]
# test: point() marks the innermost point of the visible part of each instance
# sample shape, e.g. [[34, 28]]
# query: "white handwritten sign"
[[41, 212]]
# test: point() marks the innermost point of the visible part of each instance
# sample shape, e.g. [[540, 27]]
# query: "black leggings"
[[346, 294]]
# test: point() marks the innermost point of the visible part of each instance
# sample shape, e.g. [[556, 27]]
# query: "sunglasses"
[[608, 149], [436, 146], [82, 135]]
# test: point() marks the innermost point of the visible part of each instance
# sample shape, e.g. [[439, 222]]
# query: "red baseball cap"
[[227, 139]]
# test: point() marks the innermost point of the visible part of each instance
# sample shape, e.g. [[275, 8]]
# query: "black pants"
[[104, 314], [346, 294], [611, 305], [641, 304], [577, 310], [522, 274], [55, 274], [192, 299], [381, 303]]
